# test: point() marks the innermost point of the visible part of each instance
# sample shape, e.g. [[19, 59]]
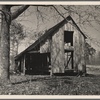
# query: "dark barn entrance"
[[68, 39], [37, 63]]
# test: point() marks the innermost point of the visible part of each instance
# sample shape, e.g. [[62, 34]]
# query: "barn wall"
[[58, 57], [68, 27], [79, 47], [57, 52], [44, 48], [79, 50]]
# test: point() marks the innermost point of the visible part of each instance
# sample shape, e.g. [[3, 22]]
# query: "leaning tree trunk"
[[5, 44]]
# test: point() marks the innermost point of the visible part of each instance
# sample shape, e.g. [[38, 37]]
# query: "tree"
[[6, 17], [89, 52], [16, 35]]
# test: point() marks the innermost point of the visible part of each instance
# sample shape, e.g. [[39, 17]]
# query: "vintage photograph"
[[49, 49]]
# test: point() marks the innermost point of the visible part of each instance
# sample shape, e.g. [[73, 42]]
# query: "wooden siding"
[[79, 50], [57, 52]]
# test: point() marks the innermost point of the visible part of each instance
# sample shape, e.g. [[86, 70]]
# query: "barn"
[[60, 48]]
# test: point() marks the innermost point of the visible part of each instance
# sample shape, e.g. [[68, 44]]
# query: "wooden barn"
[[60, 48]]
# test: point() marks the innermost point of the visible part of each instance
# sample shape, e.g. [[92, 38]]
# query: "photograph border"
[[49, 2]]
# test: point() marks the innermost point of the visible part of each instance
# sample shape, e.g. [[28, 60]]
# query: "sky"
[[46, 17]]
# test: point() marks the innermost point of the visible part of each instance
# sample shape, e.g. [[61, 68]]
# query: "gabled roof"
[[47, 34]]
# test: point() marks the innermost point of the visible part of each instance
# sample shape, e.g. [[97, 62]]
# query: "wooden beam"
[[24, 69], [72, 54]]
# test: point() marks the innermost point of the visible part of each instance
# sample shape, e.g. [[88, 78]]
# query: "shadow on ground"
[[56, 77]]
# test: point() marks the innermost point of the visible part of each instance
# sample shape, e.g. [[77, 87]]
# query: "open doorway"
[[68, 47]]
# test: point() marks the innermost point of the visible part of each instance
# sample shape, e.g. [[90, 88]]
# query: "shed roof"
[[47, 34]]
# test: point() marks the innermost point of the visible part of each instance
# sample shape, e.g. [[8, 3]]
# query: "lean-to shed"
[[60, 48]]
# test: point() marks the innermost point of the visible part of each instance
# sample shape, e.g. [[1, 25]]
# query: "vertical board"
[[57, 52], [79, 50]]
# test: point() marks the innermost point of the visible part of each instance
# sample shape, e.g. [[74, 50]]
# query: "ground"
[[56, 85]]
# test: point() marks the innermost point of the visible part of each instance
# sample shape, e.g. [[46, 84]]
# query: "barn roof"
[[47, 34]]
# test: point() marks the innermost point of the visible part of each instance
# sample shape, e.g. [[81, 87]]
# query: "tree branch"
[[19, 11], [58, 12]]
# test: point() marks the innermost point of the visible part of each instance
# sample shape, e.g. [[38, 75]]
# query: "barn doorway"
[[37, 63], [68, 48]]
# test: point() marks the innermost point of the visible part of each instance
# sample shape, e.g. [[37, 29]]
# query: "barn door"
[[37, 63], [68, 47]]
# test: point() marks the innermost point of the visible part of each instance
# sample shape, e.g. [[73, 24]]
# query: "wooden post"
[[24, 65], [50, 48], [72, 60], [16, 66]]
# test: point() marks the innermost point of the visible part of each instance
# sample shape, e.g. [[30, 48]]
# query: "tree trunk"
[[5, 44], [6, 17]]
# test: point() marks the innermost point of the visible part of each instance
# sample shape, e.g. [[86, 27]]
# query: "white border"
[[49, 96], [11, 97], [51, 2]]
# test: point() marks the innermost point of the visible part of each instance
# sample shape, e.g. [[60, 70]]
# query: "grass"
[[56, 85]]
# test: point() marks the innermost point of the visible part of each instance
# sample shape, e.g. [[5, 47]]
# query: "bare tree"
[[7, 17]]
